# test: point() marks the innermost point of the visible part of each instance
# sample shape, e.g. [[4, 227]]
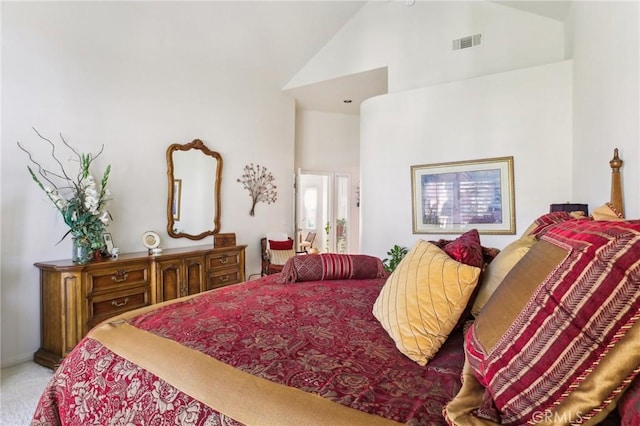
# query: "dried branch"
[[259, 182]]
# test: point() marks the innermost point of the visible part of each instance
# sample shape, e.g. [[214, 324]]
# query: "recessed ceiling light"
[[347, 101]]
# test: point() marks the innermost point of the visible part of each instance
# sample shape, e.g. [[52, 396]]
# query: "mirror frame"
[[199, 145]]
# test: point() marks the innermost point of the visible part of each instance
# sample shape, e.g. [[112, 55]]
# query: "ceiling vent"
[[466, 42]]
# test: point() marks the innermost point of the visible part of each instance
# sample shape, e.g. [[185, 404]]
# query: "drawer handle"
[[224, 279], [118, 305], [224, 259], [120, 276]]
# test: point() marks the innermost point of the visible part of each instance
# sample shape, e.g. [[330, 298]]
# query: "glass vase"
[[81, 253]]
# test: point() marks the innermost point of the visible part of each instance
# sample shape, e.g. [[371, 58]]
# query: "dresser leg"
[[47, 359]]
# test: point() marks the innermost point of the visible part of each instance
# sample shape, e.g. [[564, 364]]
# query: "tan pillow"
[[280, 257], [514, 292], [498, 269], [606, 212], [423, 299], [498, 314]]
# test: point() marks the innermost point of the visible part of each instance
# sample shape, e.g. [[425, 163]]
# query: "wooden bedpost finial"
[[616, 182], [616, 162]]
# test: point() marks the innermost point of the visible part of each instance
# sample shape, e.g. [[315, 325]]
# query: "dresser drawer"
[[223, 277], [108, 305], [106, 279], [223, 260]]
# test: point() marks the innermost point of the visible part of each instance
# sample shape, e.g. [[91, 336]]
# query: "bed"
[[322, 342], [296, 336]]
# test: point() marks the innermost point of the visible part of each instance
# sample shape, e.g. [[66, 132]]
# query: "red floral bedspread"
[[318, 336]]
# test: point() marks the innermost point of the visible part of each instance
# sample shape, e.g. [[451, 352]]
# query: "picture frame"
[[108, 242], [177, 192], [455, 197]]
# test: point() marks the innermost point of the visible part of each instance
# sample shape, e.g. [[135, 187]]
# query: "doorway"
[[322, 206]]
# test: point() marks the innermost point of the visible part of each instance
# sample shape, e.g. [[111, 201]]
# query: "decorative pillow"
[[280, 245], [498, 269], [560, 336], [423, 299], [280, 257], [487, 253], [329, 266], [467, 405], [466, 249], [607, 212], [513, 293], [541, 224]]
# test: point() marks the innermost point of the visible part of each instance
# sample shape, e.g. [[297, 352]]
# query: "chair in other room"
[[307, 243], [276, 248]]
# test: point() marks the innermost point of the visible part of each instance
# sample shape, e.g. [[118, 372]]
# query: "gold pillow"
[[607, 212], [498, 269], [514, 292], [423, 299]]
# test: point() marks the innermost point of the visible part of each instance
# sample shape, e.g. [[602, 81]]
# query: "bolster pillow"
[[330, 266]]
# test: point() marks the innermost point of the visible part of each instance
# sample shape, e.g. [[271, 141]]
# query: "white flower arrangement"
[[80, 200]]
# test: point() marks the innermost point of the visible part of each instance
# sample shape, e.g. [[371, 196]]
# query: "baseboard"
[[15, 360]]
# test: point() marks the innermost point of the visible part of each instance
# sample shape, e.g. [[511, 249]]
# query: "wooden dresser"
[[74, 298]]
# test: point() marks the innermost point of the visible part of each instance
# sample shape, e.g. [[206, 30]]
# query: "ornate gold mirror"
[[194, 174]]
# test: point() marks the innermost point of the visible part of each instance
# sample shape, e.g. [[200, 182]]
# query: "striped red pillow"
[[565, 332], [330, 266]]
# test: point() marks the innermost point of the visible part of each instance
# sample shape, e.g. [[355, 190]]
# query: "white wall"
[[327, 142], [436, 123], [135, 77], [415, 43], [606, 99], [602, 39], [525, 114]]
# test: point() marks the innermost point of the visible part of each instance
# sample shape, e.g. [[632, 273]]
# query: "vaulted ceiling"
[[330, 95], [554, 9]]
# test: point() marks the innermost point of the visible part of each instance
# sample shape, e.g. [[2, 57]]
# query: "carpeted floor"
[[20, 389]]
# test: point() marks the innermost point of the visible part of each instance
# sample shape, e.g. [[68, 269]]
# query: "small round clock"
[[151, 240]]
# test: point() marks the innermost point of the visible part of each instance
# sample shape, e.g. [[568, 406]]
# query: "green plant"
[[396, 254], [78, 197], [327, 228]]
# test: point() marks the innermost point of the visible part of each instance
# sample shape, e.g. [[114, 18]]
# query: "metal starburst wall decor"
[[259, 182]]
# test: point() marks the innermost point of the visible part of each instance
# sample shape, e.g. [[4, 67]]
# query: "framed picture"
[[108, 242], [177, 191], [452, 198]]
